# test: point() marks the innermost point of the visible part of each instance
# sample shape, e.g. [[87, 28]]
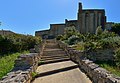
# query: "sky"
[[28, 16]]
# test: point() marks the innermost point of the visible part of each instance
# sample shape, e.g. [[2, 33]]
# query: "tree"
[[116, 28]]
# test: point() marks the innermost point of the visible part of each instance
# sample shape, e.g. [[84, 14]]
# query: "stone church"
[[87, 22]]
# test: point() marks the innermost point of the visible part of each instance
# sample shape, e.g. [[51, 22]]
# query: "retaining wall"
[[24, 67], [96, 73]]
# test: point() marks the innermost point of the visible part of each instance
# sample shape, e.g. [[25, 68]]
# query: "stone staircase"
[[56, 67], [52, 53]]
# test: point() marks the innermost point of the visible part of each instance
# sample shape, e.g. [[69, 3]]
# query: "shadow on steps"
[[56, 71]]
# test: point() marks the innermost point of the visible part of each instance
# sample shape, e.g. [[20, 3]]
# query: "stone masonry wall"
[[100, 55], [24, 66], [96, 73]]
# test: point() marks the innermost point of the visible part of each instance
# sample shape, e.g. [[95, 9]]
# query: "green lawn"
[[7, 62]]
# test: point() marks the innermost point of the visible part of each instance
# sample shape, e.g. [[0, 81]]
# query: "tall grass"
[[7, 62]]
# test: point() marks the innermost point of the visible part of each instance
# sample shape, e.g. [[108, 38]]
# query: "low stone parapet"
[[24, 66], [96, 73]]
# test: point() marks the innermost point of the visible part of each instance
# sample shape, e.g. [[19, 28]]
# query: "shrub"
[[73, 40], [59, 37], [71, 36], [99, 30], [69, 31], [89, 45], [117, 57], [110, 42], [106, 34], [79, 46], [116, 28], [91, 37], [5, 44], [17, 43]]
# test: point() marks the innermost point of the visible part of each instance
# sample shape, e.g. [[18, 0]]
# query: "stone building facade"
[[6, 32], [87, 22], [90, 19]]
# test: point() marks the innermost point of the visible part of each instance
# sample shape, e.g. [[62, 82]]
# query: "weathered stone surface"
[[54, 72], [101, 55], [96, 73]]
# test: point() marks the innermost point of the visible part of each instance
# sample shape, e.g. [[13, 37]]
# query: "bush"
[[110, 42], [99, 30], [89, 45], [69, 31], [106, 34], [116, 28], [17, 43], [59, 37], [73, 40], [5, 44], [117, 57], [79, 46], [91, 37], [71, 36]]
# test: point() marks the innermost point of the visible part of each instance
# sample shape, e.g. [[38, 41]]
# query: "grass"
[[7, 63], [110, 66], [34, 74]]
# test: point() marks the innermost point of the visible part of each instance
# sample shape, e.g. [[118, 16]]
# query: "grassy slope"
[[7, 63]]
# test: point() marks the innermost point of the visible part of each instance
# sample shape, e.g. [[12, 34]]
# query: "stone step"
[[51, 47], [53, 50], [55, 66], [56, 49], [50, 41], [51, 44], [56, 71], [53, 61], [54, 53], [53, 58]]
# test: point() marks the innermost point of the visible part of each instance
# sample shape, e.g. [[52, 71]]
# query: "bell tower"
[[80, 7], [79, 17]]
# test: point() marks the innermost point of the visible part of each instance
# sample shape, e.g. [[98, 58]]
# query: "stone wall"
[[43, 34], [100, 55], [24, 67], [96, 73], [57, 29], [22, 72]]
